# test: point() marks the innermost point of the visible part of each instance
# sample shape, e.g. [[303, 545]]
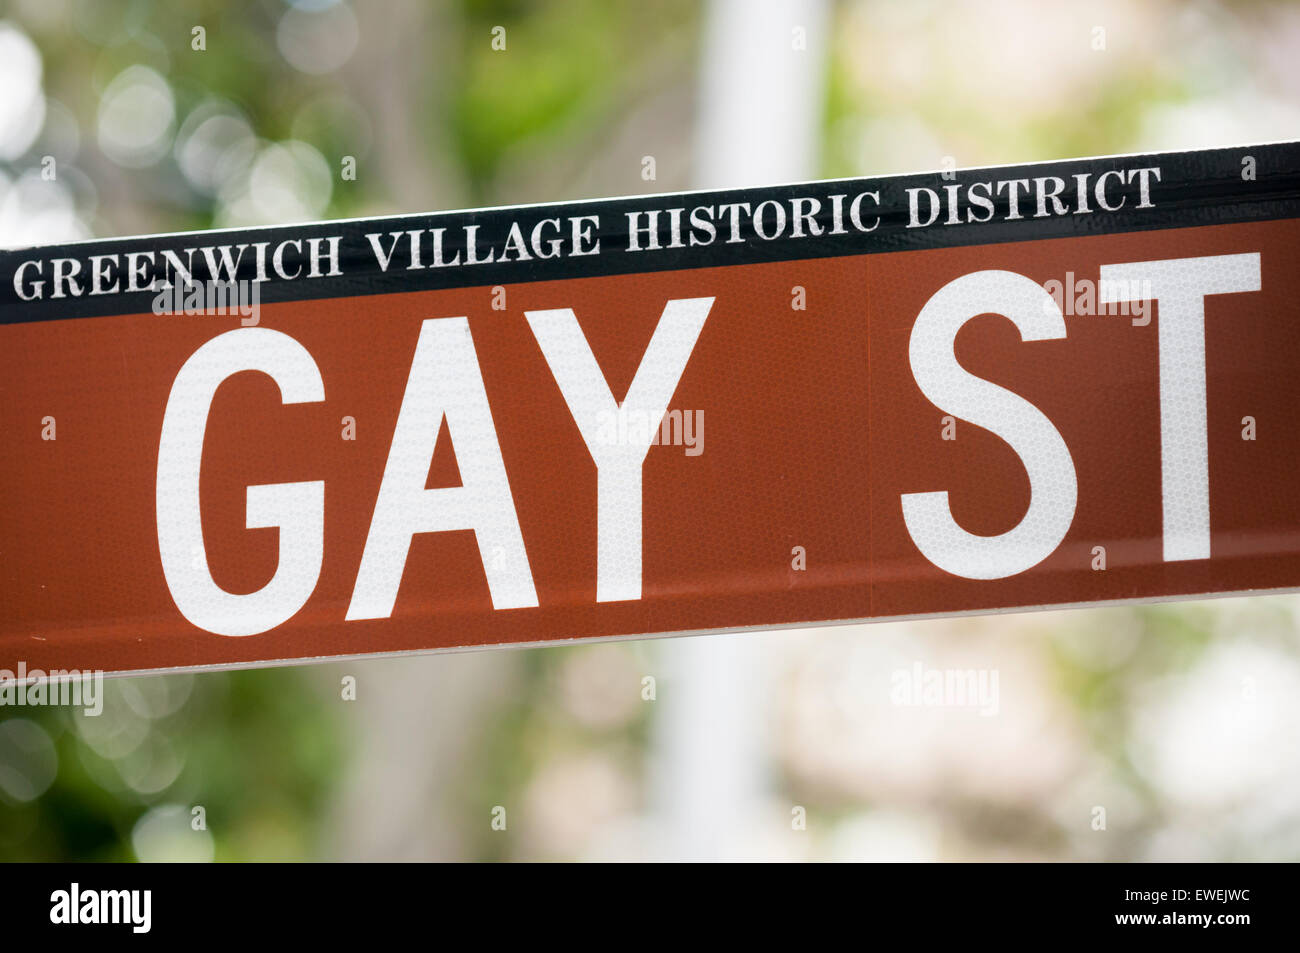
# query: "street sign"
[[962, 391]]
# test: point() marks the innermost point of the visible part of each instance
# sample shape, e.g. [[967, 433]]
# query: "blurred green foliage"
[[256, 750]]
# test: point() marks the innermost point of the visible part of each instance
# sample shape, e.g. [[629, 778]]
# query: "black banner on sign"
[[1058, 199]]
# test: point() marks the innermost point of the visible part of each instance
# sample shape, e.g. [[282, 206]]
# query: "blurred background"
[[1181, 723]]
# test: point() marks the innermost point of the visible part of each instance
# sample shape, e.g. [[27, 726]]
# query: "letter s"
[[1053, 485]]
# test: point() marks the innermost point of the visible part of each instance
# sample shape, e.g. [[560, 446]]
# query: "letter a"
[[445, 380]]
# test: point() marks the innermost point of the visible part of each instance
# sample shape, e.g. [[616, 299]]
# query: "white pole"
[[759, 117]]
